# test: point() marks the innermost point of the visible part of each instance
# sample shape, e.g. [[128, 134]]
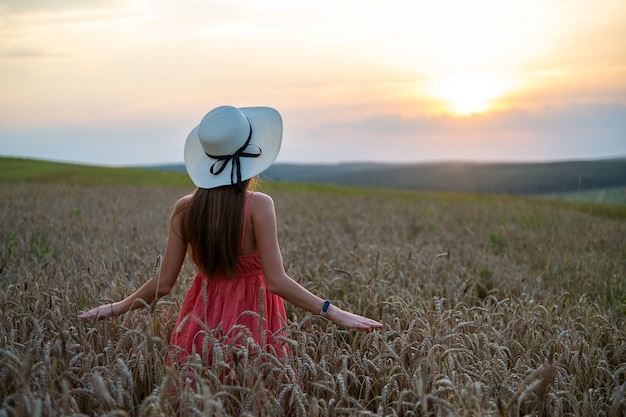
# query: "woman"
[[231, 235]]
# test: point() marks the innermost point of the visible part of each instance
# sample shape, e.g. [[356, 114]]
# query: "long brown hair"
[[213, 227]]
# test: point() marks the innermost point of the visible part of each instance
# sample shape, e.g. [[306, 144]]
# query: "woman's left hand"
[[351, 320], [102, 312]]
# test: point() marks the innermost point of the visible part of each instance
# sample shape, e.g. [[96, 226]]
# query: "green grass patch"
[[611, 195], [27, 170]]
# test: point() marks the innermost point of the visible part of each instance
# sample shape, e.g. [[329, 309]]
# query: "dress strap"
[[245, 216]]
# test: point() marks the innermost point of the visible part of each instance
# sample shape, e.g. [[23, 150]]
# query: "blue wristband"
[[325, 308]]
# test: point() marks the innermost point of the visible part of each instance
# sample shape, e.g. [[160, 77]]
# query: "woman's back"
[[229, 305]]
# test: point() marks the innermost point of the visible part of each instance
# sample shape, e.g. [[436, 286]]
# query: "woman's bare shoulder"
[[259, 198], [260, 202]]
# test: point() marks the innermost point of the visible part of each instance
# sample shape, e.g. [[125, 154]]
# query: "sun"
[[466, 94]]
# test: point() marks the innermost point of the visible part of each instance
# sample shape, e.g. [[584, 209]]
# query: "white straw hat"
[[231, 145]]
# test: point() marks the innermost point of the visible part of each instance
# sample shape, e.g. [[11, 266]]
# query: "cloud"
[[100, 143], [610, 116], [24, 53], [552, 133], [29, 6]]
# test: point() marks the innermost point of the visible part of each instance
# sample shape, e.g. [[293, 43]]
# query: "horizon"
[[121, 83], [181, 164]]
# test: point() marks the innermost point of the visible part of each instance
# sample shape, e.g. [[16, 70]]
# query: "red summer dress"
[[227, 304]]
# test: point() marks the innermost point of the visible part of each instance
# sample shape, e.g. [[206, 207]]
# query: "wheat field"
[[492, 306]]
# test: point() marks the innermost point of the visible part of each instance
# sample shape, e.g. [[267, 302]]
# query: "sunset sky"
[[122, 82]]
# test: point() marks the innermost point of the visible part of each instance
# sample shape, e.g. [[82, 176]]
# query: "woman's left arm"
[[278, 282]]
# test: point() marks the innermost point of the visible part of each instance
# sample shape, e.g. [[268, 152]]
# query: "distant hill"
[[471, 177], [600, 181], [32, 170]]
